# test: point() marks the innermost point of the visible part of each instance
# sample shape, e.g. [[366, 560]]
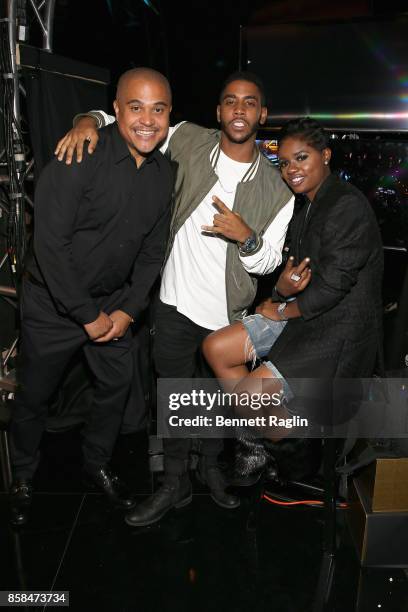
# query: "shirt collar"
[[120, 148]]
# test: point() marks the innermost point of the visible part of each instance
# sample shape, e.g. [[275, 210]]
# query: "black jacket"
[[339, 333]]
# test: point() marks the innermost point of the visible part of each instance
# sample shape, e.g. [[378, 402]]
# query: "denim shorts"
[[263, 333]]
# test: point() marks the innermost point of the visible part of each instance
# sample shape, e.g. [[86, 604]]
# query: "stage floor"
[[196, 559]]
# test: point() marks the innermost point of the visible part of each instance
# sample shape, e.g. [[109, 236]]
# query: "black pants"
[[177, 354], [48, 342]]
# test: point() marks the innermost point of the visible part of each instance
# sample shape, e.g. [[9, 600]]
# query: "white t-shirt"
[[194, 276]]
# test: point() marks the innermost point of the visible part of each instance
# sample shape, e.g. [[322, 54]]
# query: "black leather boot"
[[211, 475], [21, 494], [288, 459], [175, 492], [104, 480], [251, 460]]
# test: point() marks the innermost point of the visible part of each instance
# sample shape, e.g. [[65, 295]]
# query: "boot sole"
[[181, 504], [88, 483], [226, 506], [184, 502], [248, 481]]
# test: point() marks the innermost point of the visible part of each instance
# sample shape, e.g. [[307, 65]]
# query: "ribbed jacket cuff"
[[95, 115]]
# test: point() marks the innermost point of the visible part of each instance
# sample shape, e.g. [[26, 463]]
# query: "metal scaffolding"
[[16, 159]]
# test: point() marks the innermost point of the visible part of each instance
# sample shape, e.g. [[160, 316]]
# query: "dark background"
[[196, 44]]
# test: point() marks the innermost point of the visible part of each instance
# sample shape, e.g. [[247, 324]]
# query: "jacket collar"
[[249, 174], [310, 208], [328, 182]]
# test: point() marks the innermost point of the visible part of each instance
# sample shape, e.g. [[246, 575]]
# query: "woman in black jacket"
[[333, 324]]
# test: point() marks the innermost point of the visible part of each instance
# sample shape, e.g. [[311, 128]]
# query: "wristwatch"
[[281, 311], [249, 245]]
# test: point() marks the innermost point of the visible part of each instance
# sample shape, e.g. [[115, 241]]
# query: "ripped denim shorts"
[[263, 333]]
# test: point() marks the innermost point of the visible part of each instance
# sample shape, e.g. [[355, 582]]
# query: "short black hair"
[[243, 75], [144, 72], [307, 129]]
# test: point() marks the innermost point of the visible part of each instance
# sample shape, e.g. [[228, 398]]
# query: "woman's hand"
[[294, 279], [269, 309]]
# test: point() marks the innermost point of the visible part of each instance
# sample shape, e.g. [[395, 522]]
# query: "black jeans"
[[48, 342], [177, 354]]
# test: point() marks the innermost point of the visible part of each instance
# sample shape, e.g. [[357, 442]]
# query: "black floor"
[[197, 559]]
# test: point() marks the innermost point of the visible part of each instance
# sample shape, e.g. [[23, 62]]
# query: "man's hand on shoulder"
[[120, 323], [84, 131], [100, 327]]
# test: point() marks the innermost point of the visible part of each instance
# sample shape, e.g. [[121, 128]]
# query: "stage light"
[[151, 6]]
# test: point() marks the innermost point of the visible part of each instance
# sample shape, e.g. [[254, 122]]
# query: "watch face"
[[249, 244]]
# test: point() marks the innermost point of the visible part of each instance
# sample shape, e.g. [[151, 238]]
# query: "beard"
[[241, 137]]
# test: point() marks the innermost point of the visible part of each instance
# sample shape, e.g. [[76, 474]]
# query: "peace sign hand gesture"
[[294, 279], [228, 223]]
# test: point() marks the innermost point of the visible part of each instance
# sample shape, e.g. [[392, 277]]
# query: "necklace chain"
[[217, 159]]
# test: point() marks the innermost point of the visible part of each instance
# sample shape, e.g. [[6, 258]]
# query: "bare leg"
[[258, 382], [227, 351]]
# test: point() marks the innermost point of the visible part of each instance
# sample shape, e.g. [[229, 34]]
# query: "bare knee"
[[213, 350]]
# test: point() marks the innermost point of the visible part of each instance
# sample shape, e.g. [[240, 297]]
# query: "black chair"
[[333, 453]]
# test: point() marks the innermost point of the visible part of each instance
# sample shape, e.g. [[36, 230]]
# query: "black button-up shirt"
[[101, 224]]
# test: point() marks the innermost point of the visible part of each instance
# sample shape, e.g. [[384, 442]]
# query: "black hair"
[[243, 75], [307, 129]]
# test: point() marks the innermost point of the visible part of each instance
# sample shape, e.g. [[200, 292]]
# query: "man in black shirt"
[[99, 239]]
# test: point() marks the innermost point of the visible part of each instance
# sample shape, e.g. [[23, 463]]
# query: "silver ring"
[[115, 339], [295, 277]]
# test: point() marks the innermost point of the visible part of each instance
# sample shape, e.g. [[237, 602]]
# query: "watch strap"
[[250, 245], [281, 311]]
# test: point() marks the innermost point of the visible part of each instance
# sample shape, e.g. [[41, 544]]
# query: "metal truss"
[[16, 160], [18, 32]]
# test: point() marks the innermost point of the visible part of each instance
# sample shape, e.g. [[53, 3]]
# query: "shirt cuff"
[[277, 297], [85, 314], [133, 309]]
